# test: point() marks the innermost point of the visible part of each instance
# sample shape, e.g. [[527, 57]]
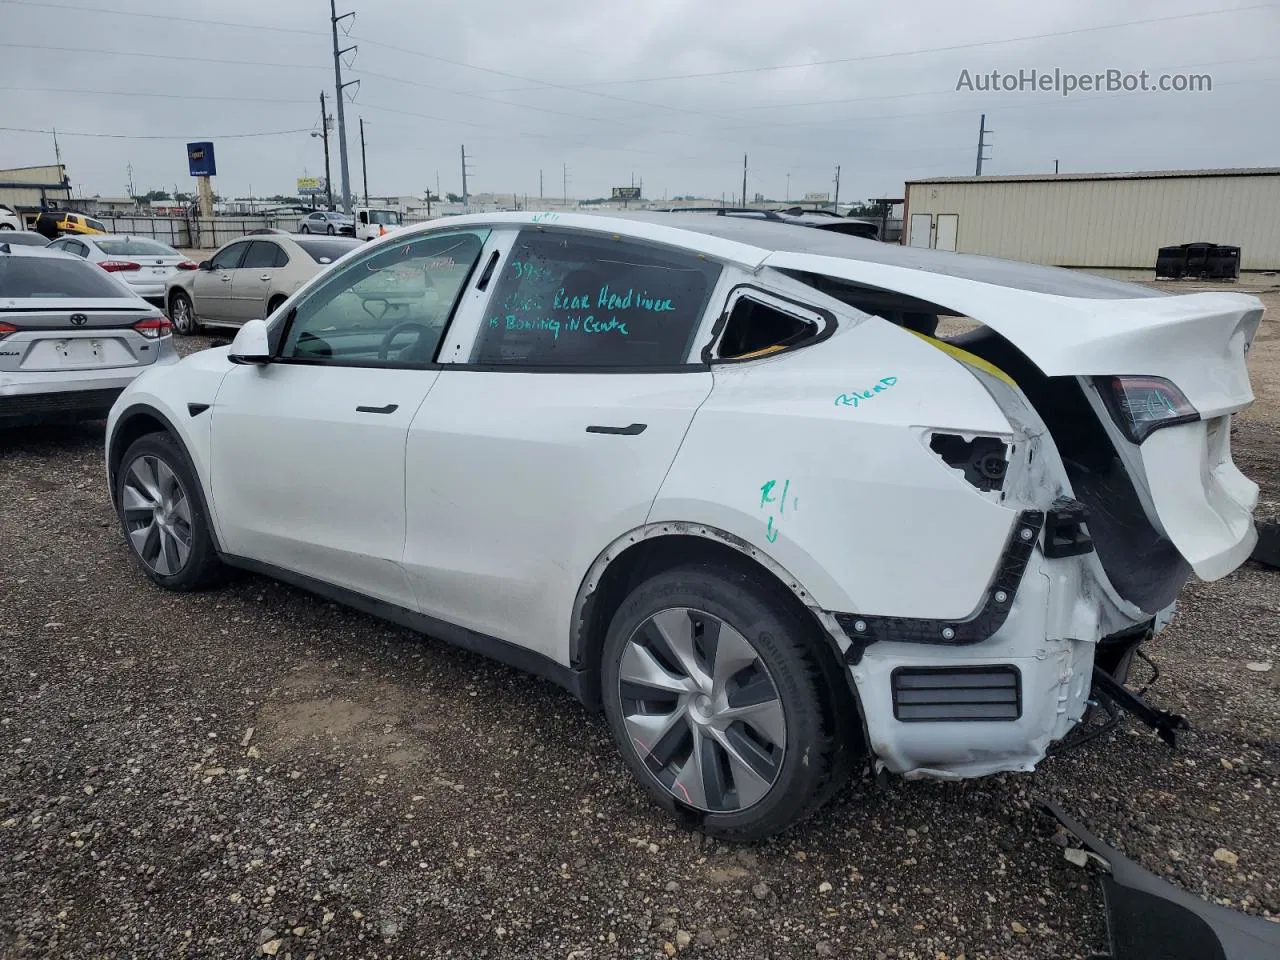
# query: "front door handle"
[[389, 408], [633, 430], [225, 278]]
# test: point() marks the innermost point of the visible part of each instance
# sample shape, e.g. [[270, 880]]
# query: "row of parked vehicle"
[[721, 478]]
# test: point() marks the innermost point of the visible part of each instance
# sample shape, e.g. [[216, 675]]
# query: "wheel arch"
[[140, 420], [655, 547]]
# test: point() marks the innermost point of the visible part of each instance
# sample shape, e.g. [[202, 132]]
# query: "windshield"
[[57, 277], [136, 247], [328, 249], [388, 217]]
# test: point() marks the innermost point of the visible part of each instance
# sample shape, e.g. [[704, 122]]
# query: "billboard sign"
[[626, 193], [310, 186], [815, 197], [200, 159]]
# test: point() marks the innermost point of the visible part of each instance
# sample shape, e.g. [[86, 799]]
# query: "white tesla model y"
[[725, 479]]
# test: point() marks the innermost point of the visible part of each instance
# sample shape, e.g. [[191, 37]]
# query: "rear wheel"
[[274, 305], [182, 315], [716, 696], [163, 516], [304, 229]]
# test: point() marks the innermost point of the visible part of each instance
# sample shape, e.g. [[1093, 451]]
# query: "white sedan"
[[143, 264], [725, 480]]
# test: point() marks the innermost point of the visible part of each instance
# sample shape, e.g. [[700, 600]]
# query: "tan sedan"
[[248, 278]]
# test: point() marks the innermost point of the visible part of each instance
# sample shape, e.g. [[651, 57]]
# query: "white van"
[[374, 222]]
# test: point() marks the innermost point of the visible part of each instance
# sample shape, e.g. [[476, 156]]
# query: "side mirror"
[[250, 344], [205, 265]]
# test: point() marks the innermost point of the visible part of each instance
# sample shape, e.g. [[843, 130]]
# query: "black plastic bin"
[[1206, 261]]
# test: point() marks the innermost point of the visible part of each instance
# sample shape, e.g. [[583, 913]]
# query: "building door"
[[948, 228], [920, 231]]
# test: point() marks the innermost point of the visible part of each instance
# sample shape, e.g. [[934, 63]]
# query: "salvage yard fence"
[[198, 233]]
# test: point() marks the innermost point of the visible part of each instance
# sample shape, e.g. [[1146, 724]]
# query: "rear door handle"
[[633, 430], [389, 408], [265, 276]]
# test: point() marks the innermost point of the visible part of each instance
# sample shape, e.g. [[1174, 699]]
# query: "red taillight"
[[119, 266], [188, 265], [154, 328], [6, 329], [1142, 405]]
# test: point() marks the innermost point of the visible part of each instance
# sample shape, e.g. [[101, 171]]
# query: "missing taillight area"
[[1141, 405], [983, 460], [154, 328]]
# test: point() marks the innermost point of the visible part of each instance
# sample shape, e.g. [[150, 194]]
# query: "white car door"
[[211, 288], [307, 452], [550, 429]]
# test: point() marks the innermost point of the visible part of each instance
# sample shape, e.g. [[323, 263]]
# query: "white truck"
[[374, 222]]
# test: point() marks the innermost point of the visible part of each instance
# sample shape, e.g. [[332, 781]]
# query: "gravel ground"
[[253, 771]]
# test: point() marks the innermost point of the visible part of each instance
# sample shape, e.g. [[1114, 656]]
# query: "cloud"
[[605, 91]]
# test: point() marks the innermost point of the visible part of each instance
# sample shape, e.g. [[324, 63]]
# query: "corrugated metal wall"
[[1108, 223]]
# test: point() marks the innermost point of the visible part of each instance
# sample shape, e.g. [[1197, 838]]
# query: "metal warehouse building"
[[1099, 220]]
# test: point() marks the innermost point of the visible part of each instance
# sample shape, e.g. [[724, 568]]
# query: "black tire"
[[274, 305], [6, 226], [304, 229], [182, 314], [821, 735], [330, 231], [202, 567]]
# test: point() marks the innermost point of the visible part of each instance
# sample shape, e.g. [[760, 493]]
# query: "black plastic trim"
[[1064, 530], [1007, 669], [828, 328], [388, 408], [195, 409], [633, 430], [864, 630], [575, 681], [574, 368]]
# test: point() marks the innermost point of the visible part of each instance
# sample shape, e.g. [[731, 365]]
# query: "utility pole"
[[744, 179], [334, 20], [982, 145], [539, 184], [465, 195], [836, 205], [324, 132], [788, 187], [564, 184], [132, 196], [1055, 167], [364, 164]]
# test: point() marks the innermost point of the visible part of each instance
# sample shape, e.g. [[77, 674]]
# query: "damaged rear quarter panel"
[[848, 497]]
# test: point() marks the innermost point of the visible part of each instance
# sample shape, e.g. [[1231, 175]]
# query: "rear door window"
[[261, 255], [579, 300]]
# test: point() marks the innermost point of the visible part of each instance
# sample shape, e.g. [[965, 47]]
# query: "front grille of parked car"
[[957, 693]]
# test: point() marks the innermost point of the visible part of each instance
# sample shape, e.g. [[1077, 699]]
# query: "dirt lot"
[[255, 772]]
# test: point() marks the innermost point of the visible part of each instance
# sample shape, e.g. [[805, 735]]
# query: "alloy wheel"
[[181, 315], [157, 515], [701, 710]]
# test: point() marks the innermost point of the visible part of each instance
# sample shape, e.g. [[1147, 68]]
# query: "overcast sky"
[[604, 87]]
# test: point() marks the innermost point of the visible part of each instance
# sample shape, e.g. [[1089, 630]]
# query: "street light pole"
[[324, 132], [364, 164], [342, 120]]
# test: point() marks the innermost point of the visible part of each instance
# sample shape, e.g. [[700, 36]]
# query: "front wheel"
[[163, 516], [182, 315], [716, 695], [6, 226], [330, 231]]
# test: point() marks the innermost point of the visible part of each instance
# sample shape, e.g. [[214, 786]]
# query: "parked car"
[[55, 223], [374, 222], [327, 221], [25, 238], [9, 219], [722, 479], [144, 264], [71, 337], [248, 278]]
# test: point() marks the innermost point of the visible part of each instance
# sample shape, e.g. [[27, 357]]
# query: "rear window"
[[136, 247], [96, 224], [328, 249], [55, 277]]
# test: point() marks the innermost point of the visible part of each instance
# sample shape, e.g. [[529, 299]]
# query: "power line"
[[165, 96], [925, 50], [126, 136], [44, 5], [63, 48]]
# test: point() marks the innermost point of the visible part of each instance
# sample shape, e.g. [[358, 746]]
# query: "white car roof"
[[750, 243]]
